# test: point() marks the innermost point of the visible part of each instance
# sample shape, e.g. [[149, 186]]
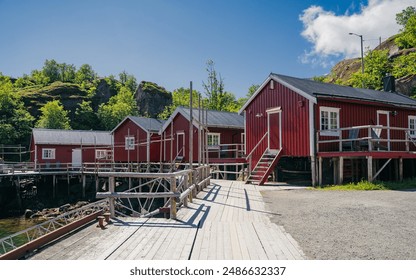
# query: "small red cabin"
[[136, 139], [223, 134], [53, 147], [300, 121]]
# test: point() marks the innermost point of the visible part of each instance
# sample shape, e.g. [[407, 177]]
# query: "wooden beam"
[[320, 171], [400, 169], [382, 168], [370, 168], [101, 195], [341, 171]]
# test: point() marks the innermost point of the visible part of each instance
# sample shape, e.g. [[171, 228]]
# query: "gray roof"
[[315, 88], [148, 124], [215, 118], [71, 137]]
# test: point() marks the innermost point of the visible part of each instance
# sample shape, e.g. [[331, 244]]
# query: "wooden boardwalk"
[[228, 220]]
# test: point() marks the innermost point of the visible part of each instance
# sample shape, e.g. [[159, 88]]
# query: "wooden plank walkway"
[[228, 220]]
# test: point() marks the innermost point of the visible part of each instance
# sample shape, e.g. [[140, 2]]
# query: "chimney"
[[389, 83]]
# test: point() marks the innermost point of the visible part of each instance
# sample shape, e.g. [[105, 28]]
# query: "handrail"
[[12, 242], [369, 136], [255, 147]]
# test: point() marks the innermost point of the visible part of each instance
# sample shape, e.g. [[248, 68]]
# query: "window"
[[48, 153], [412, 126], [329, 120], [213, 139], [129, 143], [100, 154]]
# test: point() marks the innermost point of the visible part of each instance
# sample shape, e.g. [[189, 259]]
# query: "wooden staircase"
[[264, 167]]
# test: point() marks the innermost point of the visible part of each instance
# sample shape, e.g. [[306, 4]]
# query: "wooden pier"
[[227, 220]]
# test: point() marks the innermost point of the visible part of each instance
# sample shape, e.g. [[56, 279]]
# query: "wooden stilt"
[[320, 171], [370, 168], [400, 169], [111, 188], [84, 184], [313, 171], [54, 186], [172, 200], [341, 171]]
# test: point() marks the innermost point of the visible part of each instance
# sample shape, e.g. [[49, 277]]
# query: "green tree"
[[403, 17], [85, 118], [15, 120], [214, 88], [407, 39], [118, 107], [40, 78], [67, 72], [51, 70], [23, 82], [180, 97], [53, 116], [85, 74], [128, 81], [404, 65], [377, 65]]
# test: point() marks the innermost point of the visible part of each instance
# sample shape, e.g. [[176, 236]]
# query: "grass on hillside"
[[367, 186]]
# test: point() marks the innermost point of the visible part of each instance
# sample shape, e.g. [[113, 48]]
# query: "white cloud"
[[328, 32]]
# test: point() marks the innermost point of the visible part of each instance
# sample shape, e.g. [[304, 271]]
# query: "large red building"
[[307, 121], [136, 139], [54, 147], [223, 135]]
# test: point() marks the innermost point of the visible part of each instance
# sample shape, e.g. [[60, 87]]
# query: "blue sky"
[[170, 41]]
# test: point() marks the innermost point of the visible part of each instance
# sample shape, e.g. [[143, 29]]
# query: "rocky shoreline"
[[50, 213]]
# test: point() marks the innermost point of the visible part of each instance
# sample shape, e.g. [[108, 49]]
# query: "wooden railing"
[[18, 244], [227, 151], [164, 191], [249, 157], [373, 138]]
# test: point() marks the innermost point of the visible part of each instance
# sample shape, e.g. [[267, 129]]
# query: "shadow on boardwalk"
[[227, 220]]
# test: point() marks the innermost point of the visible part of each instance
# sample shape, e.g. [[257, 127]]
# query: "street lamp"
[[362, 53]]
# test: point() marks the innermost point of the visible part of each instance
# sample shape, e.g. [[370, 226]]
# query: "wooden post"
[[84, 182], [335, 170], [313, 170], [369, 140], [320, 171], [341, 171], [172, 199], [54, 186], [111, 189], [185, 200], [370, 168], [400, 169]]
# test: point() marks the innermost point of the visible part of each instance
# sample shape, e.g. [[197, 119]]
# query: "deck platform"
[[227, 220]]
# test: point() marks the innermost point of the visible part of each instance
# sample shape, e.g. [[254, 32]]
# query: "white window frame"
[[101, 154], [50, 153], [129, 143], [412, 131], [212, 134], [329, 110]]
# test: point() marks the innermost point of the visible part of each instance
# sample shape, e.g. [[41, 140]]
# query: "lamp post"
[[362, 52]]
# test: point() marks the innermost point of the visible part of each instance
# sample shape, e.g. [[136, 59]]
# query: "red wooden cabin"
[[53, 147], [301, 122], [136, 139], [223, 132]]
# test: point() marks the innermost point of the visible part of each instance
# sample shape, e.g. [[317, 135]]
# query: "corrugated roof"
[[71, 137], [148, 124], [315, 88], [215, 118]]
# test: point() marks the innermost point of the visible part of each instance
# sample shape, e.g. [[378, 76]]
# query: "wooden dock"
[[227, 220]]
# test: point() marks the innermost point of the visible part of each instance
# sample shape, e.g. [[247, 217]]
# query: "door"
[[180, 144], [383, 118], [274, 128], [76, 157]]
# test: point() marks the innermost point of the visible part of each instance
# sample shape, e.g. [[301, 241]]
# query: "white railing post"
[[369, 139]]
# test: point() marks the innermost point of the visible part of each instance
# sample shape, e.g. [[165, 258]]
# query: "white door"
[[274, 127], [383, 118], [76, 157]]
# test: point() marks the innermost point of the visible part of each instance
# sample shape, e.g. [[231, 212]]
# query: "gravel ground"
[[348, 225]]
